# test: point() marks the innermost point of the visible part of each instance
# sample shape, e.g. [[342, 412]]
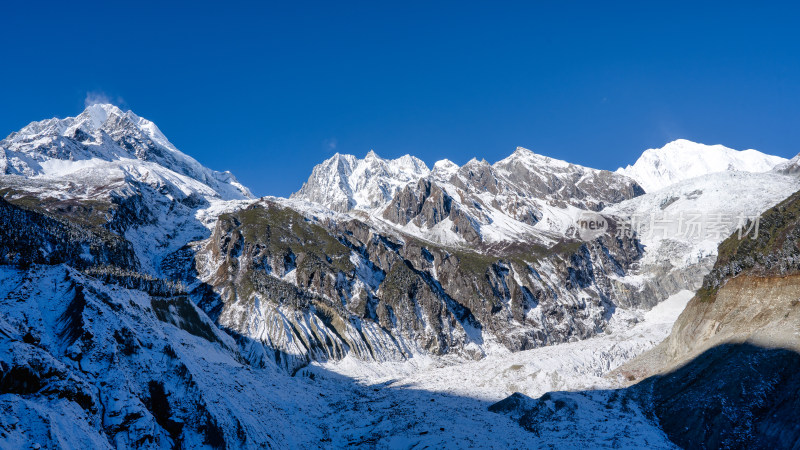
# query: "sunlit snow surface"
[[681, 160]]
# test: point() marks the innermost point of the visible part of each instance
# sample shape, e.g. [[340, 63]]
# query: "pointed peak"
[[372, 155], [94, 116], [105, 107], [521, 154], [444, 164], [476, 162], [337, 161], [340, 156], [444, 169], [336, 157], [408, 159]]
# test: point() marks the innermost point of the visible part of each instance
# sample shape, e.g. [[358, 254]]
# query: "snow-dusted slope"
[[681, 225], [791, 167], [570, 366], [595, 418], [561, 182], [344, 182], [682, 160]]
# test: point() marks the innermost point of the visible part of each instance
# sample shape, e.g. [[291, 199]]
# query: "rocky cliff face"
[[310, 289], [32, 236], [521, 198], [563, 183], [88, 364]]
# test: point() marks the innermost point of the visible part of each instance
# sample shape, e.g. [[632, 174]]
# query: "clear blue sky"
[[268, 89]]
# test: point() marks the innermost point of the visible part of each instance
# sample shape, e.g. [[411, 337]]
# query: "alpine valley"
[[150, 302]]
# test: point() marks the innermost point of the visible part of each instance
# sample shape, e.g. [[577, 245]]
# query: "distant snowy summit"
[[344, 182], [104, 144], [523, 196], [682, 159]]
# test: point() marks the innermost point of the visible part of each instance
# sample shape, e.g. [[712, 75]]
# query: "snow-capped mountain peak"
[[533, 160], [94, 116], [444, 169], [344, 182], [103, 144], [683, 159]]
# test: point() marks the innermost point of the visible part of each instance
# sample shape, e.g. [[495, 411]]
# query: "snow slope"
[[685, 222], [682, 160], [443, 403]]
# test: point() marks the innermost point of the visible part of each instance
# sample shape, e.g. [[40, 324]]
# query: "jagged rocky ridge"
[[516, 198]]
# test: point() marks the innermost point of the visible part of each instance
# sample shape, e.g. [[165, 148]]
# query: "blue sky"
[[269, 89]]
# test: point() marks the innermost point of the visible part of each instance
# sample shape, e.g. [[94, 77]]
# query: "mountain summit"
[[104, 143], [682, 159], [344, 182]]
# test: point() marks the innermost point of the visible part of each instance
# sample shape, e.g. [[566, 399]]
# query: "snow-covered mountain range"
[[152, 302], [522, 197]]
